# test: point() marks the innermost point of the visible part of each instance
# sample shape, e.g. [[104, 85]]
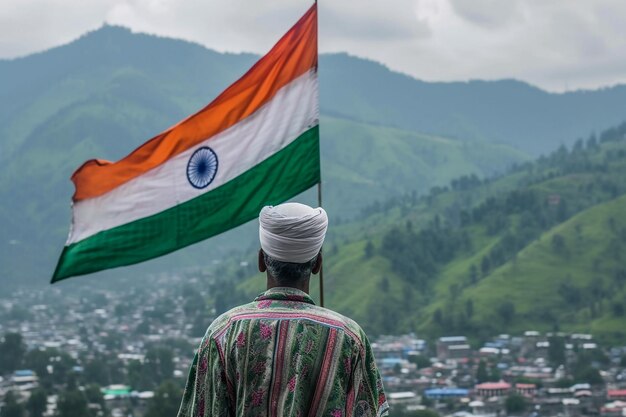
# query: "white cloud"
[[489, 13], [556, 44]]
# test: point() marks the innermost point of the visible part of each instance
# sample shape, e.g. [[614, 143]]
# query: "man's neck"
[[303, 286]]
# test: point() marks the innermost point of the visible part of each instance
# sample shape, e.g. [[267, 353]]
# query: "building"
[[527, 390], [453, 347], [24, 379], [443, 393], [493, 389], [406, 400], [616, 395]]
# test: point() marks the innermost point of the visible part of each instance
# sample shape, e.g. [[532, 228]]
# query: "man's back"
[[283, 356]]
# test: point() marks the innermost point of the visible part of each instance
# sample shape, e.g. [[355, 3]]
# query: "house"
[[441, 393], [453, 347], [407, 400], [24, 379], [616, 394], [492, 389], [527, 390]]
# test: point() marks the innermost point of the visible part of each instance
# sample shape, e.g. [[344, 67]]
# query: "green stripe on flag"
[[280, 177]]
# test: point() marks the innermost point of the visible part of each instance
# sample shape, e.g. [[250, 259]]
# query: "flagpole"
[[319, 203]]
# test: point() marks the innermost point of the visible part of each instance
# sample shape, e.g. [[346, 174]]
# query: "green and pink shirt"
[[283, 356]]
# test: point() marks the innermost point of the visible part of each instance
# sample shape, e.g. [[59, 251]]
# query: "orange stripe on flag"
[[292, 56]]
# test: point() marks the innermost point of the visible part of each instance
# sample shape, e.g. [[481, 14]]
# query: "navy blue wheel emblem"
[[202, 167]]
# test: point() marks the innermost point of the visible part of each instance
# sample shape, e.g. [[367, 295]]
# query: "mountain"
[[539, 248], [111, 90], [506, 111], [383, 133]]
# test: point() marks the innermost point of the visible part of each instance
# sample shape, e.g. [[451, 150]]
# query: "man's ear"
[[262, 267], [318, 264]]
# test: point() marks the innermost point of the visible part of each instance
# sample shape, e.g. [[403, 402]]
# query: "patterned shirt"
[[282, 355]]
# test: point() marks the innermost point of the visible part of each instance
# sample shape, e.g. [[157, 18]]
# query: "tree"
[[506, 310], [515, 403], [420, 360], [11, 407], [137, 378], [61, 365], [584, 372], [469, 308], [93, 394], [166, 400], [485, 265], [36, 404], [495, 375], [438, 316], [143, 327], [571, 295], [384, 284], [194, 303], [161, 359], [564, 383], [12, 350], [473, 274], [556, 351], [481, 372], [465, 218], [558, 243], [369, 250], [588, 375], [592, 142], [454, 291], [97, 371], [72, 403]]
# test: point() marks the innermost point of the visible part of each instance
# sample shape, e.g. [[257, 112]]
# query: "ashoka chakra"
[[202, 167]]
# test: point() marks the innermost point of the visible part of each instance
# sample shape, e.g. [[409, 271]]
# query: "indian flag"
[[257, 143]]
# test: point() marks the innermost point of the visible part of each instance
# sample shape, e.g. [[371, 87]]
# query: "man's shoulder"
[[291, 311], [342, 321], [223, 320]]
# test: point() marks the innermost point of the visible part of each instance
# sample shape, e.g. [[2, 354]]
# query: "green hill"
[[571, 278], [540, 248]]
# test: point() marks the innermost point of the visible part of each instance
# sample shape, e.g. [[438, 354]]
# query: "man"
[[281, 355]]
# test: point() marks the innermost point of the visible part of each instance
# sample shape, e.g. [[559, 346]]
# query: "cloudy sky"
[[558, 45]]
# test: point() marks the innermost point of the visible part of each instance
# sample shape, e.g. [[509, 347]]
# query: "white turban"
[[292, 232]]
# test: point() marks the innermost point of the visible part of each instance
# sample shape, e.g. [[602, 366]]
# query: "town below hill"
[[99, 353], [530, 374]]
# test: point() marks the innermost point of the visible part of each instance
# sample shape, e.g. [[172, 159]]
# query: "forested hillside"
[[539, 248]]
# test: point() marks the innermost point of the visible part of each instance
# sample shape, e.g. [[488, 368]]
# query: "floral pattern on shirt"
[[281, 355]]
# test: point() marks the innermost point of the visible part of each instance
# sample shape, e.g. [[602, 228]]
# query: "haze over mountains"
[[383, 133]]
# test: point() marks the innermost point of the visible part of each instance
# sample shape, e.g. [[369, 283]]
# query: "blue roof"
[[391, 361], [24, 372], [449, 339], [443, 392]]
